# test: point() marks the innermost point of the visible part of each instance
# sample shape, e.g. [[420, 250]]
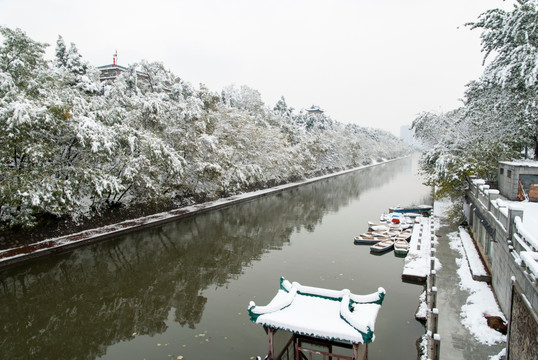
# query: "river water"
[[182, 290]]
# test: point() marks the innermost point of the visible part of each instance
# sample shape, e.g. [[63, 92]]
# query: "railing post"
[[436, 346], [513, 212], [433, 297], [435, 320], [493, 195]]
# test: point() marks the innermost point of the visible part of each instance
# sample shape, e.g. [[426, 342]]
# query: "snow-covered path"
[[462, 302]]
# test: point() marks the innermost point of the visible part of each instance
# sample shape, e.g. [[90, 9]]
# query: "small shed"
[[516, 178], [319, 321]]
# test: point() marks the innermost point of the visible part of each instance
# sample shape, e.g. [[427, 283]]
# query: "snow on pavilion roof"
[[321, 313]]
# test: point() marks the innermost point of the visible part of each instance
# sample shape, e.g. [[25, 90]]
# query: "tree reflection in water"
[[75, 305]]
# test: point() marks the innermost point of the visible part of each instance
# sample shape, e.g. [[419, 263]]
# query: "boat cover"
[[320, 313]]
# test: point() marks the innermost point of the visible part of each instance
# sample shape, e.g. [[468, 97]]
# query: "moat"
[[182, 290]]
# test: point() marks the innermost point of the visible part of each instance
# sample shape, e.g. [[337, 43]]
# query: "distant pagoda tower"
[[112, 71], [314, 110]]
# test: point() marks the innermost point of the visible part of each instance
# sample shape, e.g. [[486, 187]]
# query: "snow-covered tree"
[[74, 61], [20, 56], [25, 116], [512, 36], [73, 69], [244, 98], [72, 146], [61, 52], [499, 117], [281, 108], [448, 160]]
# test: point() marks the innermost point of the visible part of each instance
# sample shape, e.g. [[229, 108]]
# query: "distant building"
[[406, 134], [314, 110], [112, 71]]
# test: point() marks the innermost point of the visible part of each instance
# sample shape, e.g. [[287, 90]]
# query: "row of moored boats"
[[392, 232]]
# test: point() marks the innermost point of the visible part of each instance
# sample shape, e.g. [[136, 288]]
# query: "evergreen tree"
[[61, 52], [74, 61], [282, 109]]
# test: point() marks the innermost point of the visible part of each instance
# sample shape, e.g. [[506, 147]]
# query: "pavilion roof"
[[321, 313]]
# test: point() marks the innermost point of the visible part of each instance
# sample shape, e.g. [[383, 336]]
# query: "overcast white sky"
[[373, 63]]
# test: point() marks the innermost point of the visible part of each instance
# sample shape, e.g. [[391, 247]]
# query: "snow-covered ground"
[[530, 218], [528, 225]]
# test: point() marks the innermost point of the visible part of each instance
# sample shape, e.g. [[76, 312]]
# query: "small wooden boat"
[[401, 247], [395, 218], [370, 238], [405, 235], [361, 240], [386, 222], [388, 227], [377, 233], [411, 209], [378, 226], [382, 246]]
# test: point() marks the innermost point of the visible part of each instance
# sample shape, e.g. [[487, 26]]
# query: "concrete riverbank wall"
[[504, 234]]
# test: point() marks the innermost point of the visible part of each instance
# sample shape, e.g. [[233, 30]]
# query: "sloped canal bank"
[[181, 290]]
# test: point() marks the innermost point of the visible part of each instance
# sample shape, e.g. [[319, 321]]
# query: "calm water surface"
[[183, 289]]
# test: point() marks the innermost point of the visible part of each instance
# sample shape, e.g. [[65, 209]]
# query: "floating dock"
[[418, 260]]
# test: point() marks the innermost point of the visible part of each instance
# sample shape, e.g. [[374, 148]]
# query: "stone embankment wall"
[[510, 253]]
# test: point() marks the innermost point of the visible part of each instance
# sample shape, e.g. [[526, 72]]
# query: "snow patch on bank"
[[475, 263], [499, 356], [422, 310]]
